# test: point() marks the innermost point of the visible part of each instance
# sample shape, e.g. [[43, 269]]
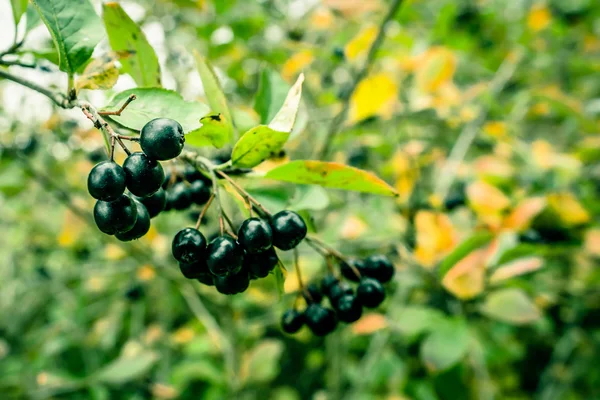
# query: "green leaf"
[[261, 364], [214, 93], [156, 103], [102, 73], [75, 29], [415, 320], [125, 369], [446, 345], [272, 91], [214, 131], [32, 18], [474, 242], [189, 371], [286, 117], [126, 37], [256, 145], [18, 9], [311, 197], [510, 305], [330, 174]]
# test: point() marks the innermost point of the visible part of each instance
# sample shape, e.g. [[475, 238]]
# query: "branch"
[[336, 123], [57, 98]]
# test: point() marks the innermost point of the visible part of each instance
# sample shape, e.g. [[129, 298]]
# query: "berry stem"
[[247, 197], [204, 210], [298, 272], [120, 110], [130, 138], [229, 222]]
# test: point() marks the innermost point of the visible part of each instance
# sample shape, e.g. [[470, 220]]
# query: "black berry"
[[206, 278], [162, 139], [178, 197], [312, 293], [189, 246], [288, 229], [225, 256], [154, 203], [370, 292], [260, 264], [106, 181], [379, 267], [320, 320], [337, 291], [233, 283], [328, 282], [255, 235], [292, 321], [348, 272], [115, 216], [144, 175], [134, 293], [193, 270], [167, 181], [141, 226], [199, 192], [192, 175], [348, 308]]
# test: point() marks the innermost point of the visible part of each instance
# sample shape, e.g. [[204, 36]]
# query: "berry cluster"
[[346, 303], [230, 264], [184, 188], [127, 216]]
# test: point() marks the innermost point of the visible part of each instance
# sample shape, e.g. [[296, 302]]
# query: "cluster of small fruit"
[[230, 264], [128, 217], [346, 304], [182, 189]]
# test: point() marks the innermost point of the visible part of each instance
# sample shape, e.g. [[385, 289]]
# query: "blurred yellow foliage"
[[592, 242], [539, 18], [522, 215], [322, 19], [486, 199], [466, 279], [435, 67], [73, 227], [369, 323], [352, 227], [495, 129], [296, 64], [435, 237], [568, 208], [374, 95], [360, 44], [114, 252], [146, 273]]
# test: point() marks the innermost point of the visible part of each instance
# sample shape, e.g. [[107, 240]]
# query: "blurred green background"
[[483, 114]]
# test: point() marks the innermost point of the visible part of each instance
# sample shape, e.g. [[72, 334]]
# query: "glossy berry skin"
[[255, 235], [348, 272], [370, 292], [260, 264], [178, 197], [162, 139], [328, 282], [194, 270], [320, 320], [206, 278], [225, 256], [292, 321], [233, 283], [189, 246], [116, 216], [141, 227], [199, 192], [288, 229], [348, 308], [339, 290], [155, 203], [144, 176], [379, 267], [106, 181], [312, 293]]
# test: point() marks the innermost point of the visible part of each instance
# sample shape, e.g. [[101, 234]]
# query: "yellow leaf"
[[495, 129], [114, 252], [101, 73], [486, 199], [407, 173], [517, 267], [146, 273], [183, 335], [352, 8], [568, 208], [492, 166], [539, 18], [437, 66], [72, 229], [522, 215], [296, 64], [369, 323], [374, 95], [360, 44], [435, 237], [352, 228], [162, 391], [322, 19], [592, 242], [543, 154], [466, 279]]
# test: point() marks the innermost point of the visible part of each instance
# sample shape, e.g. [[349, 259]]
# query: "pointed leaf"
[[517, 267], [286, 117], [214, 93], [33, 19], [18, 8], [75, 29], [510, 305], [466, 279], [261, 364], [102, 73], [474, 242], [272, 91], [446, 345], [156, 103], [257, 145], [332, 175], [214, 131], [125, 369], [125, 36]]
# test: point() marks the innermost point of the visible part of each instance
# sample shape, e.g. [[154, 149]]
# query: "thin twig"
[[57, 98], [15, 46], [298, 272], [336, 123], [247, 197], [17, 63], [204, 210], [131, 98]]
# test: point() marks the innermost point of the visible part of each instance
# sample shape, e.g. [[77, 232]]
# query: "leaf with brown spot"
[[101, 73], [257, 145], [331, 174]]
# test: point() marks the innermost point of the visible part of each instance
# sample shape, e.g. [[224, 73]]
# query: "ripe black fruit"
[[320, 320], [312, 293], [154, 203], [199, 192], [292, 321], [141, 227], [193, 270], [134, 293], [189, 246], [106, 181], [348, 272], [178, 197], [328, 282], [115, 216], [370, 292], [255, 235], [337, 291], [260, 264], [348, 308], [162, 139], [206, 278], [225, 256], [144, 175], [288, 229], [233, 283], [192, 175], [379, 267]]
